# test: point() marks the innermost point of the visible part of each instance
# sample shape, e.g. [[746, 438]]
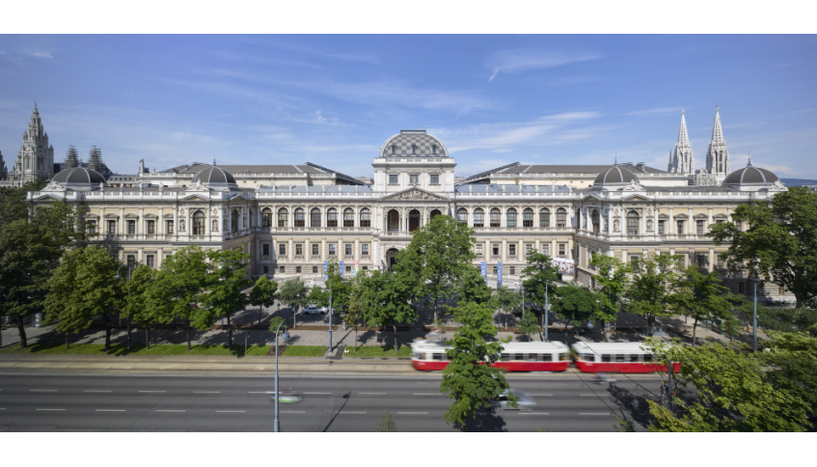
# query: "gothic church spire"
[[717, 156], [683, 161]]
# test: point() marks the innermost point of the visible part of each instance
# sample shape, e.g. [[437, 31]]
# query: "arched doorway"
[[414, 220], [434, 213], [391, 257], [393, 222]]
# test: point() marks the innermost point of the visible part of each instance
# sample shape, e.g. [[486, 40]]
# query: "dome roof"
[[215, 177], [79, 178], [616, 175], [413, 143], [750, 176]]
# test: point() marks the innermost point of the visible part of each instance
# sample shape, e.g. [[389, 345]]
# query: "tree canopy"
[[653, 283], [226, 280], [575, 304], [263, 294], [702, 297], [386, 300], [612, 280]]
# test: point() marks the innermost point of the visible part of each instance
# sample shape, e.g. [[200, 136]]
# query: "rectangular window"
[[718, 260], [702, 260], [635, 358], [494, 270], [479, 249], [151, 227], [699, 227], [266, 269], [634, 262], [299, 249], [435, 179], [347, 249], [282, 269], [512, 271], [348, 268], [392, 179], [169, 227], [91, 227], [606, 358], [131, 261], [562, 249], [150, 261], [297, 269], [479, 218], [680, 225], [661, 227], [414, 179], [739, 225], [545, 357], [495, 249], [315, 249], [131, 227], [512, 249], [282, 249], [546, 250], [528, 248], [365, 268], [314, 269], [332, 250], [265, 249], [621, 358], [364, 249]]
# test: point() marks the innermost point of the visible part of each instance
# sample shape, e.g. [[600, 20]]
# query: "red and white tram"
[[617, 357], [515, 356]]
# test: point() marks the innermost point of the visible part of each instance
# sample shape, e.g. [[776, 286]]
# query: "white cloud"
[[655, 111], [517, 60], [319, 118]]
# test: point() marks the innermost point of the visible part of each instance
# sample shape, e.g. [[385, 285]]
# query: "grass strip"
[[378, 351], [304, 351]]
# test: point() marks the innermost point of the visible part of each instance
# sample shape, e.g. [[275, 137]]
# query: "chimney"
[[640, 166]]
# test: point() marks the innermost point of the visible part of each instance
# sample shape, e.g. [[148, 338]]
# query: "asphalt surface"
[[96, 402]]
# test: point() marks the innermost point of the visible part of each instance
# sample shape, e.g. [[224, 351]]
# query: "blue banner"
[[340, 265], [325, 268], [499, 273], [484, 271]]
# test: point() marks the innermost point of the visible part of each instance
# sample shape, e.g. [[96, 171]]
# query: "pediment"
[[592, 197], [636, 198], [194, 198], [414, 194], [49, 197]]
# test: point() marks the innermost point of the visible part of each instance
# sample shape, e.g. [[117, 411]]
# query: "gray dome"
[[215, 177], [750, 176], [616, 175], [413, 143], [79, 178]]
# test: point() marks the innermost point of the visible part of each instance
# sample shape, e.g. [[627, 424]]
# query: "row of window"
[[299, 249], [315, 217], [414, 149], [299, 269], [619, 358], [511, 217], [700, 227], [414, 179], [496, 249]]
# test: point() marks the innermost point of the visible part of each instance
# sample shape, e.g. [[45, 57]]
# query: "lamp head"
[[589, 325], [118, 277], [285, 335]]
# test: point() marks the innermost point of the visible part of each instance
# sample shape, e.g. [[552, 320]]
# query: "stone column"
[[160, 227], [711, 266], [624, 257], [570, 249], [175, 219], [290, 253], [504, 252], [160, 257], [323, 250], [357, 250], [140, 228], [121, 222]]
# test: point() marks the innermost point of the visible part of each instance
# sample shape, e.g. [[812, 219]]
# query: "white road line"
[[97, 390], [606, 413], [534, 413], [261, 392], [347, 412], [2, 408], [539, 395], [109, 410], [427, 394], [317, 393], [412, 413], [372, 393], [42, 390], [170, 410], [292, 411], [206, 392], [49, 409], [152, 391], [594, 395], [231, 411]]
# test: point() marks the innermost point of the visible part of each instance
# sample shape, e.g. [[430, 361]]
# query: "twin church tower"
[[681, 161]]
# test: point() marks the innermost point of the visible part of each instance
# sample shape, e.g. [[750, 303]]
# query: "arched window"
[[527, 217], [266, 217], [234, 221], [414, 149], [198, 223], [462, 215], [495, 214], [283, 217], [332, 217], [315, 218], [300, 220], [348, 217], [594, 219], [394, 149], [561, 217], [479, 217], [632, 223], [511, 217], [433, 149], [544, 217], [365, 217]]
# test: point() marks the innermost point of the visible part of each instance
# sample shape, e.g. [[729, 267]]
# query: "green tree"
[[227, 279], [386, 423], [356, 310], [611, 283], [702, 297], [274, 324], [177, 288], [318, 296], [733, 394], [653, 285], [792, 364], [784, 319], [81, 288], [136, 303], [528, 324], [472, 287], [470, 383], [575, 304], [386, 299], [13, 205], [30, 249], [437, 258], [780, 243], [263, 294], [539, 277], [294, 294], [507, 300], [339, 288]]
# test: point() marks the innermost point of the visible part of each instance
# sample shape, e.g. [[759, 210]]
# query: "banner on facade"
[[340, 266], [325, 269], [499, 273], [564, 266], [484, 271], [356, 266]]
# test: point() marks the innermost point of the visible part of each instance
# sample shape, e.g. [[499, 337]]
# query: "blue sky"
[[334, 99]]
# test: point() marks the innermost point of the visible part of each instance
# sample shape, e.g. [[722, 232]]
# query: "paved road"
[[71, 402]]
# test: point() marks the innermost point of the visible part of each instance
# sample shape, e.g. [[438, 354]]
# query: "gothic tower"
[[682, 161], [717, 156], [95, 159], [3, 172], [71, 160], [36, 157]]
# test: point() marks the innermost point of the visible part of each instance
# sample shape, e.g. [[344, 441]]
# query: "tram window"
[[436, 357], [546, 357], [564, 357], [425, 356], [518, 356], [606, 358], [588, 357], [647, 357], [634, 358], [418, 356], [621, 358], [504, 357]]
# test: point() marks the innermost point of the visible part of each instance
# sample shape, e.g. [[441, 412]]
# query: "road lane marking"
[[347, 412], [292, 411], [261, 392], [539, 395], [606, 413], [427, 394], [97, 390], [109, 410], [594, 395], [534, 413], [231, 411], [49, 409], [317, 393], [171, 411], [2, 408], [152, 391], [372, 393], [206, 392], [412, 413], [42, 390]]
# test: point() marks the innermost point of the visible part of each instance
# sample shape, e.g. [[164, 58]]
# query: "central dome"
[[413, 143], [750, 176], [215, 177], [616, 175], [79, 178]]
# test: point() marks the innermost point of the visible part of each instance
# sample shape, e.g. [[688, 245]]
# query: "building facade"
[[292, 219]]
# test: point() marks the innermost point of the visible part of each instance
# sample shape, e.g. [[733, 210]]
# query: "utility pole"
[[546, 311], [754, 324], [330, 316], [669, 386]]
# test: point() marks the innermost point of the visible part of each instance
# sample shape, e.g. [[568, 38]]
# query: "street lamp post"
[[119, 277], [546, 311], [330, 316], [754, 320], [285, 336]]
